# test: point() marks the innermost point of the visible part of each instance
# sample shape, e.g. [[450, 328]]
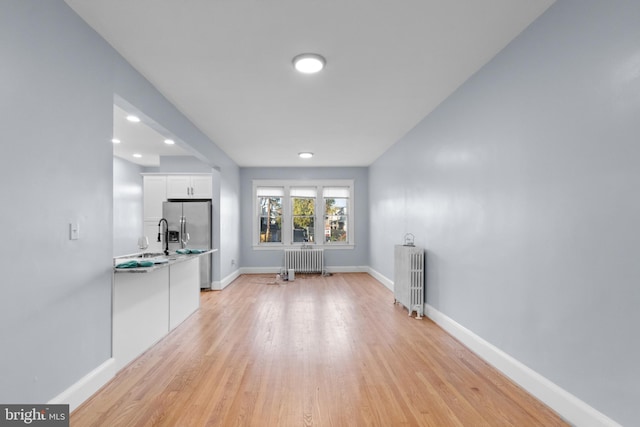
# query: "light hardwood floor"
[[321, 351]]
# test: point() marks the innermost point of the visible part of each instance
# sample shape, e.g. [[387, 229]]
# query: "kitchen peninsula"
[[149, 302]]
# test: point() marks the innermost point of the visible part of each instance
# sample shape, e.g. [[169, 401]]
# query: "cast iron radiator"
[[304, 260], [408, 284]]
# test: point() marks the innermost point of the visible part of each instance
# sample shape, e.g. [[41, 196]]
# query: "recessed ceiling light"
[[115, 141], [137, 156], [169, 141], [133, 119], [305, 155], [309, 63]]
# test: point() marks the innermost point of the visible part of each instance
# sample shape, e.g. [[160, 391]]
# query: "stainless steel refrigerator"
[[189, 226]]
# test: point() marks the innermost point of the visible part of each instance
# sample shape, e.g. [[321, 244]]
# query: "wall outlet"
[[233, 262]]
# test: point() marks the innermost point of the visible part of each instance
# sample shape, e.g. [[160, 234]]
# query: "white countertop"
[[170, 260]]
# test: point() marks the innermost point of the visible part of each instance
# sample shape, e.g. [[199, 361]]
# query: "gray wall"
[[127, 207], [523, 187], [182, 164], [356, 257], [57, 85], [55, 295]]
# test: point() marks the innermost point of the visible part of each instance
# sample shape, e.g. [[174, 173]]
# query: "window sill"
[[279, 247]]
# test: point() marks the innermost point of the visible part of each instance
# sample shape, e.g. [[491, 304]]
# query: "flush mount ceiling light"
[[137, 156], [133, 119], [115, 141], [169, 141], [309, 63], [305, 155]]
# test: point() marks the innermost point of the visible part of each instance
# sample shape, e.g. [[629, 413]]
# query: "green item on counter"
[[190, 251], [134, 264], [128, 264]]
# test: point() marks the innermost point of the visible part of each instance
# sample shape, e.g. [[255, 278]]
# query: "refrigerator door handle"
[[184, 236], [181, 231]]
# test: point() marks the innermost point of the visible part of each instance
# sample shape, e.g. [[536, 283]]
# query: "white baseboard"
[[218, 286], [276, 270], [86, 386], [260, 270], [348, 269], [380, 278], [572, 409]]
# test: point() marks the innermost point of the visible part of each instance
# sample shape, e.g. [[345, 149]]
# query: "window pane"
[[270, 219], [336, 206], [303, 229], [270, 230], [270, 206], [304, 206], [335, 229], [336, 220], [303, 219]]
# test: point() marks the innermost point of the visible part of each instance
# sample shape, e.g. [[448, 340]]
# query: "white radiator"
[[408, 284], [304, 260]]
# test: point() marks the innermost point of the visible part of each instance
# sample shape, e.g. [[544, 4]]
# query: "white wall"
[[522, 186]]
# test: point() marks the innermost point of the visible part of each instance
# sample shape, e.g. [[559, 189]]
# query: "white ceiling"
[[141, 138], [226, 65]]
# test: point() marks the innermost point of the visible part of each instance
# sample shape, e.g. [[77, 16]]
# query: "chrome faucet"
[[166, 234]]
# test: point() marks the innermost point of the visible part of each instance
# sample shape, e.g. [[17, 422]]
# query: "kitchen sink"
[[151, 255]]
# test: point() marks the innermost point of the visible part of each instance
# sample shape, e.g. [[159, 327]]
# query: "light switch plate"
[[74, 231]]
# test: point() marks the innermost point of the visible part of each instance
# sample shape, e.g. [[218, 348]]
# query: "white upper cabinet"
[[189, 187], [154, 193], [179, 187]]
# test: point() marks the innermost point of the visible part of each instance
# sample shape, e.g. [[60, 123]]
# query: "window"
[[295, 213], [336, 214], [303, 213], [270, 216]]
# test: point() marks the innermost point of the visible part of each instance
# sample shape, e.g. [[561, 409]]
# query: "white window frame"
[[287, 217]]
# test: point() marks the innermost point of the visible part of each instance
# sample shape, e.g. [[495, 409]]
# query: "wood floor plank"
[[318, 351]]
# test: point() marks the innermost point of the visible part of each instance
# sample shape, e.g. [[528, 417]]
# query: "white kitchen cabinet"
[[154, 193], [140, 313], [184, 290], [201, 187], [179, 187], [147, 305], [189, 186]]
